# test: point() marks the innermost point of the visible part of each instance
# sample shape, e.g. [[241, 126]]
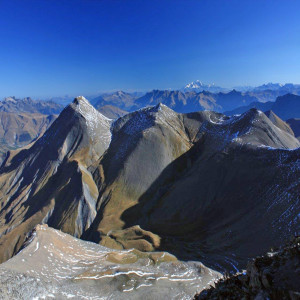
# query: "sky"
[[58, 47]]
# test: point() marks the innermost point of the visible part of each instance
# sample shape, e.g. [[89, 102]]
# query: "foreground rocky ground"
[[55, 265], [275, 275]]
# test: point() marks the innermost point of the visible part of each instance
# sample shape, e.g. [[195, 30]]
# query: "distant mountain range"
[[28, 105], [115, 105], [20, 129], [198, 86], [287, 88], [194, 96], [24, 120], [194, 100], [112, 112], [286, 107], [186, 101], [120, 99]]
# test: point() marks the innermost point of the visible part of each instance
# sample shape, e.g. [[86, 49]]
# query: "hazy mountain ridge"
[[120, 99], [24, 120], [184, 101], [198, 86], [112, 112], [286, 107], [20, 129], [28, 105]]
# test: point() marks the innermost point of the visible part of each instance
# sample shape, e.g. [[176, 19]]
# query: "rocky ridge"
[[275, 275]]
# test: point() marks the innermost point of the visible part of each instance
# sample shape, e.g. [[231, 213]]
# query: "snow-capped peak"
[[199, 86]]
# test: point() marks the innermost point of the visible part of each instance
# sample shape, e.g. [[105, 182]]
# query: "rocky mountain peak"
[[82, 106]]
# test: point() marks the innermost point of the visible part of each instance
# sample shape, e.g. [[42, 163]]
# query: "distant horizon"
[[60, 47], [130, 91]]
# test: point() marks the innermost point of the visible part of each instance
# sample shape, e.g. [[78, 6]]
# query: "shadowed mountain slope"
[[295, 125]]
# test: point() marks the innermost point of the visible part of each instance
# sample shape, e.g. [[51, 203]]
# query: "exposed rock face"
[[273, 276], [278, 122], [56, 265], [202, 185]]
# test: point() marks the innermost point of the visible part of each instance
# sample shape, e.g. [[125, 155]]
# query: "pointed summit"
[[84, 107], [82, 123]]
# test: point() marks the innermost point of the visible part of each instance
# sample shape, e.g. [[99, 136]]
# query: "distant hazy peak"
[[197, 84], [120, 93], [10, 99], [200, 86]]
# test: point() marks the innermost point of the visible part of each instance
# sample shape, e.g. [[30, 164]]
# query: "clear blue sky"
[[57, 47]]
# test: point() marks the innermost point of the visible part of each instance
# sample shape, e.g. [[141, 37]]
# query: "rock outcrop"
[[275, 275]]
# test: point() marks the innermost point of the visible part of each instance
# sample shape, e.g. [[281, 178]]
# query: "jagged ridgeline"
[[200, 185]]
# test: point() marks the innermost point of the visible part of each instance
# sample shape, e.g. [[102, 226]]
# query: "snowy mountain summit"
[[198, 86]]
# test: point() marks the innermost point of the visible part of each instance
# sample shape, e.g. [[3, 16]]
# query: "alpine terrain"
[[202, 186]]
